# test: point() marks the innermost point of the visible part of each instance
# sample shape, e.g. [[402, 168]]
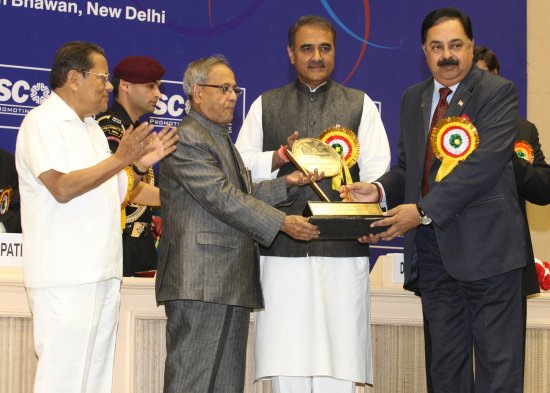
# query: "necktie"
[[440, 109]]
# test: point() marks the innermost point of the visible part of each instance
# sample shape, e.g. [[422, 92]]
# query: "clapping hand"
[[136, 143], [164, 144]]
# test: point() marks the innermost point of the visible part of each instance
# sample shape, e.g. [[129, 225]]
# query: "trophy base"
[[344, 220]]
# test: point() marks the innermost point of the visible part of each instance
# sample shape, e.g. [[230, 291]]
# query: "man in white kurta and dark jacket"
[[314, 333]]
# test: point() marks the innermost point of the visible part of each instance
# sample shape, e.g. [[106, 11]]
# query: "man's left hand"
[[165, 144], [297, 178]]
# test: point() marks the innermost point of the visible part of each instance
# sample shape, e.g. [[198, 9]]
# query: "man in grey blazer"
[[214, 218], [464, 240]]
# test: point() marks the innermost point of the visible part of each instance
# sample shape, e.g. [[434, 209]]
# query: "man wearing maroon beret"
[[136, 83]]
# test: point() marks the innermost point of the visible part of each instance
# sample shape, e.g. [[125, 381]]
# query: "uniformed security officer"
[[136, 83]]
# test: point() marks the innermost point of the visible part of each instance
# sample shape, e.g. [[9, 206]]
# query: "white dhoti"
[[74, 336], [316, 320]]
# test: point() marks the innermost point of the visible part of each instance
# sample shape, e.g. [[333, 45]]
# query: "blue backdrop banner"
[[378, 45]]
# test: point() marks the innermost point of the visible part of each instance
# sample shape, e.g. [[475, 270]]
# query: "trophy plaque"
[[344, 220], [336, 220]]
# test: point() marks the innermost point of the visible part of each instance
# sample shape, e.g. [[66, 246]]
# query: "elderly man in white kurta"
[[314, 333], [71, 191]]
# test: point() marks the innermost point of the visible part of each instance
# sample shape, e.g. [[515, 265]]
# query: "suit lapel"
[[227, 149], [463, 94]]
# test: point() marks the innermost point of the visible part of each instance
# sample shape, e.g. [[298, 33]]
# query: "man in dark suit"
[[464, 237], [533, 184], [533, 181], [208, 273]]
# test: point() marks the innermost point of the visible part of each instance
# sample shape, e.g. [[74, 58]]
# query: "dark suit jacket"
[[475, 210], [212, 219], [533, 181]]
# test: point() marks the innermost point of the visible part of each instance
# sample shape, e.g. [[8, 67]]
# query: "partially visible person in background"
[[486, 59], [10, 215], [530, 167], [136, 88]]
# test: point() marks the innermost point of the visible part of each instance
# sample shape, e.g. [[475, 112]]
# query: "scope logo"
[[23, 88], [171, 107], [20, 91]]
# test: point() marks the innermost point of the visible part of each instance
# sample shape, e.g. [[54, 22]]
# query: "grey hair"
[[197, 72]]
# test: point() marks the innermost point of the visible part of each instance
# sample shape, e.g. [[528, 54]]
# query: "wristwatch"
[[424, 219]]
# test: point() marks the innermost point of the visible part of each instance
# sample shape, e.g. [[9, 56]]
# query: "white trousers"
[[311, 385], [74, 336]]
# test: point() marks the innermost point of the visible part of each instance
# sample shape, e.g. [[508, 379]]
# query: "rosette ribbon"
[[453, 139], [524, 150], [346, 144], [5, 199]]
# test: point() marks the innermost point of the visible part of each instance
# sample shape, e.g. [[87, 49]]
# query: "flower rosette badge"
[[346, 144], [524, 150], [5, 199], [543, 274], [453, 140]]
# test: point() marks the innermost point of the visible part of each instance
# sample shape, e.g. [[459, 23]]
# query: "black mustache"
[[316, 64], [447, 62]]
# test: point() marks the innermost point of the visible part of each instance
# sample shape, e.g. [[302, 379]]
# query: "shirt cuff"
[[381, 195]]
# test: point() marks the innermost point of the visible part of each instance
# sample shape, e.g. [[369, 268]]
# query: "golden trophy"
[[336, 220]]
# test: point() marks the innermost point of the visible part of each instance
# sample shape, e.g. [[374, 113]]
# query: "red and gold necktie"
[[440, 109]]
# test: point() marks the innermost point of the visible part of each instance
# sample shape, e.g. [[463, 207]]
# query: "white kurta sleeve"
[[250, 144], [374, 152], [122, 179]]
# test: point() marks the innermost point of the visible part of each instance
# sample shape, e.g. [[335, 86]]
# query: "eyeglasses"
[[227, 88], [104, 77]]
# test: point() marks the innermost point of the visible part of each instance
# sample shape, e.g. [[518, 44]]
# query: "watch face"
[[425, 220]]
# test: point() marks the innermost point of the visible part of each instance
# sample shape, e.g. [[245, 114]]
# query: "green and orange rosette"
[[346, 144], [5, 199], [524, 150], [453, 139], [344, 141]]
